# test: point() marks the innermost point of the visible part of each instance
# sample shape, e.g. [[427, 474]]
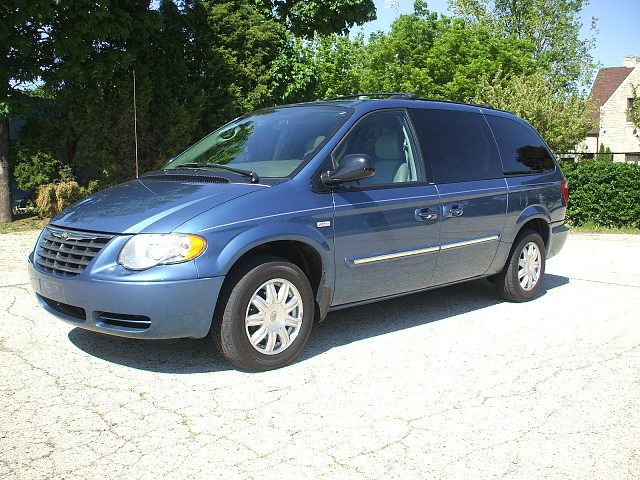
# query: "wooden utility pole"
[[135, 122]]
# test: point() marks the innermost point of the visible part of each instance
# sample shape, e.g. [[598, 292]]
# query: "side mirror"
[[353, 167]]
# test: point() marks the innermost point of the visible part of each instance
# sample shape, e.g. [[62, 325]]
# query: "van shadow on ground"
[[340, 328]]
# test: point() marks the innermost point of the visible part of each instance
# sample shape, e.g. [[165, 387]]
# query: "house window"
[[630, 108], [632, 158]]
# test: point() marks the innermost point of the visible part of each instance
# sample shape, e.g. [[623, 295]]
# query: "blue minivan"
[[258, 230]]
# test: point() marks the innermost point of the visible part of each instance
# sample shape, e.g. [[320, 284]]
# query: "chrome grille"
[[68, 252]]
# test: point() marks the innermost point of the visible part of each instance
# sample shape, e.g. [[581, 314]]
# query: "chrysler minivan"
[[256, 232]]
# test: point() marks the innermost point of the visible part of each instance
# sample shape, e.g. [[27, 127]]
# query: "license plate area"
[[52, 290]]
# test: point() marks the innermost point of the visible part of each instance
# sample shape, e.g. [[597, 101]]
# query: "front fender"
[[219, 261], [231, 245]]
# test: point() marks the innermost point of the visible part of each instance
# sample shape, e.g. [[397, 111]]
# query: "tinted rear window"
[[458, 145], [521, 148]]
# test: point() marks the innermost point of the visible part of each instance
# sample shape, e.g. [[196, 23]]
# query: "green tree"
[[424, 53], [562, 117], [552, 26], [198, 64], [340, 62], [24, 52], [306, 17]]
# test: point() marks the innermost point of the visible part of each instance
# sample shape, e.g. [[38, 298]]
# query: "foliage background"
[[603, 193], [68, 79]]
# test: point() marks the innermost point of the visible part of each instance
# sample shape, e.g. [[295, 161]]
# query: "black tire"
[[507, 283], [228, 330]]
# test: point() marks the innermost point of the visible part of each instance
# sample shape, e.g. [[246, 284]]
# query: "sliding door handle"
[[454, 210]]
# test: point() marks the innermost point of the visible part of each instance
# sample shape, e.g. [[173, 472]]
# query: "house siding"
[[616, 132]]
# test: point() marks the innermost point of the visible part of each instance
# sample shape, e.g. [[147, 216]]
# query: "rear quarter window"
[[521, 149], [458, 146]]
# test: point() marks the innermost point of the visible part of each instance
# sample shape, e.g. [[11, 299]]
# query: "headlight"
[[148, 250]]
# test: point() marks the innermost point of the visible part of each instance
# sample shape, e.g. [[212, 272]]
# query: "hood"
[[149, 205]]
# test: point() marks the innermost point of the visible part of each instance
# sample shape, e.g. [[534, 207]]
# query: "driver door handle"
[[426, 214]]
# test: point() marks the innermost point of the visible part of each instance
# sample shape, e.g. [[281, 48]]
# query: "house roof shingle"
[[607, 82]]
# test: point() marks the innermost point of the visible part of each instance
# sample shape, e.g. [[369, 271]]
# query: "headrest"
[[318, 141], [387, 148]]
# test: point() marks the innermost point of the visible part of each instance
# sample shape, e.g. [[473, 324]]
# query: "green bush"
[[35, 170], [604, 154], [603, 193]]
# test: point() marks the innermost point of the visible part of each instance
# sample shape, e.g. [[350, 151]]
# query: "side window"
[[521, 148], [386, 138], [458, 145]]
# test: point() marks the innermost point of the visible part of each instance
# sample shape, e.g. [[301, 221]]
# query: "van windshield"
[[273, 142]]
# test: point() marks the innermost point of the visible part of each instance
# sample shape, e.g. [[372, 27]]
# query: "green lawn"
[[593, 228], [23, 223]]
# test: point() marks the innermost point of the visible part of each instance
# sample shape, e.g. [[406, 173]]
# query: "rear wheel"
[[522, 277], [267, 317]]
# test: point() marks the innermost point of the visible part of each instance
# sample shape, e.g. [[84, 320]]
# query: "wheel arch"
[[537, 218], [306, 248]]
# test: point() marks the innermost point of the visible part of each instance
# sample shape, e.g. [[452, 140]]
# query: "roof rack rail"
[[363, 96], [483, 105], [403, 96]]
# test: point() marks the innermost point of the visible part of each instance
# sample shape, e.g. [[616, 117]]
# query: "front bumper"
[[557, 238], [152, 310]]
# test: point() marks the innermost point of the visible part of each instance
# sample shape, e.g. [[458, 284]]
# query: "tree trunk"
[[6, 210]]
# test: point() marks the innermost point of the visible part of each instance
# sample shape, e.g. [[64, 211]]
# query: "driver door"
[[386, 226]]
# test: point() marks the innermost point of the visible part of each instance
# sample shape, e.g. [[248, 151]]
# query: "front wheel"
[[267, 317], [522, 277]]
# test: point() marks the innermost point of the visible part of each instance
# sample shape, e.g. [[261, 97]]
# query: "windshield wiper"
[[245, 173]]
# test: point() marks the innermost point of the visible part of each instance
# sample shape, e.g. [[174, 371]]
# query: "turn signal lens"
[[198, 245]]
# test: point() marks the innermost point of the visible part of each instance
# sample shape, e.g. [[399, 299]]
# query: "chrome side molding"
[[473, 241], [391, 256], [354, 262]]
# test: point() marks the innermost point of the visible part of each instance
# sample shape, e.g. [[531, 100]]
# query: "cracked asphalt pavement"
[[451, 383]]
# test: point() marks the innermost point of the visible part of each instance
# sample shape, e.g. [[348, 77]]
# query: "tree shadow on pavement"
[[339, 328]]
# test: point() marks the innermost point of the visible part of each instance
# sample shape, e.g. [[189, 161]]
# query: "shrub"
[[36, 170], [603, 193], [604, 154], [67, 193], [46, 201], [53, 198]]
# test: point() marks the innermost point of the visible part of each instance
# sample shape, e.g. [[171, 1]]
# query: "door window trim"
[[418, 150], [507, 174]]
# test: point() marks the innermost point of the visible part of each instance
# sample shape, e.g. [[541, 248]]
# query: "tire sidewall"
[[535, 291], [236, 311]]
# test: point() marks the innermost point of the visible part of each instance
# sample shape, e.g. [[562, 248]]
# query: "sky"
[[618, 28]]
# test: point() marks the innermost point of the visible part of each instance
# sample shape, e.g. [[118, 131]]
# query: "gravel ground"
[[451, 383]]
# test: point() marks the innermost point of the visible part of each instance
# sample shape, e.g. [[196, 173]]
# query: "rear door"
[[386, 227], [461, 152]]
